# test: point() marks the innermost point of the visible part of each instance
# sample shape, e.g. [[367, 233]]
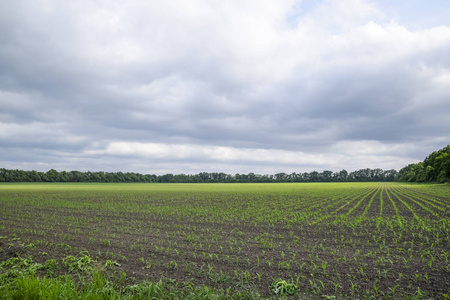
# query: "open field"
[[348, 240]]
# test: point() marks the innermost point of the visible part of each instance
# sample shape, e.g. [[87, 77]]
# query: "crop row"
[[347, 240]]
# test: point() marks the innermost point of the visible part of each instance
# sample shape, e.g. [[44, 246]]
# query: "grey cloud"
[[77, 77]]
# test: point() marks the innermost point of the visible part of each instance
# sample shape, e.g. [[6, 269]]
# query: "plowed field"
[[348, 240]]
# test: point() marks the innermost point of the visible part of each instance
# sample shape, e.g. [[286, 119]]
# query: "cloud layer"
[[234, 86]]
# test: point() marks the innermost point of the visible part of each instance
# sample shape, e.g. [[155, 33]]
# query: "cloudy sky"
[[239, 86]]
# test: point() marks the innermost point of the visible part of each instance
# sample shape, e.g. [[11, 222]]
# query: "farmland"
[[311, 240]]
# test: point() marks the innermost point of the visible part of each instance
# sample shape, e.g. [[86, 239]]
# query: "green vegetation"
[[363, 175], [217, 241], [435, 168]]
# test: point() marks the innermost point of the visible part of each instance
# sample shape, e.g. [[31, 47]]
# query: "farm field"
[[311, 240]]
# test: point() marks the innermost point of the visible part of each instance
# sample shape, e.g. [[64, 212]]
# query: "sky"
[[259, 86]]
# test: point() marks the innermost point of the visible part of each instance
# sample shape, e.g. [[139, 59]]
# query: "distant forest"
[[435, 168], [204, 177]]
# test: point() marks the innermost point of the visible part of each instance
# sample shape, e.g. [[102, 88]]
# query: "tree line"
[[203, 177], [435, 168]]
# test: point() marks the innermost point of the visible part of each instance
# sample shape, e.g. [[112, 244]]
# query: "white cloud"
[[215, 153], [345, 154], [253, 83]]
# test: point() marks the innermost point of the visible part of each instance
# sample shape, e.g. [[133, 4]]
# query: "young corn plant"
[[281, 287]]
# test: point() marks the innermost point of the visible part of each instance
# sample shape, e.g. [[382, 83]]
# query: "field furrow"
[[439, 205], [358, 204], [425, 208], [378, 240], [370, 207]]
